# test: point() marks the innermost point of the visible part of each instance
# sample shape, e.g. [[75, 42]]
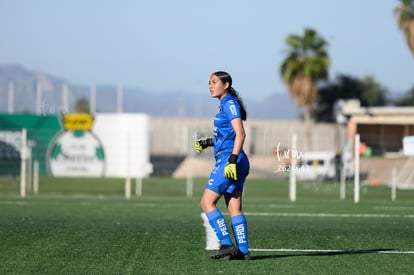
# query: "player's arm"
[[240, 135], [230, 170], [203, 143]]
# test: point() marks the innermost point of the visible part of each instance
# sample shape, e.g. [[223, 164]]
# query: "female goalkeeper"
[[231, 169]]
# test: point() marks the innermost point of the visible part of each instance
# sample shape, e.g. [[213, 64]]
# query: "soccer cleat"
[[224, 251], [238, 256]]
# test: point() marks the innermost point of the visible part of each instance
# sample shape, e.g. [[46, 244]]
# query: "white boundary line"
[[330, 215], [356, 251]]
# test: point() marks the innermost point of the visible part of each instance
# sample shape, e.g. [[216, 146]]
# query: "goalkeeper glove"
[[203, 143], [230, 170]]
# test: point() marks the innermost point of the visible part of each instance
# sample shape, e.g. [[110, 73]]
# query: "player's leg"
[[218, 224], [234, 206], [215, 187], [238, 221], [212, 243], [215, 217]]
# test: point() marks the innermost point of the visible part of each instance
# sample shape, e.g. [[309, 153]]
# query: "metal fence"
[[171, 136]]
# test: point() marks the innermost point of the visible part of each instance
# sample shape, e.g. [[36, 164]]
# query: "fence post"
[[342, 184], [292, 175], [36, 177], [128, 177], [356, 170], [394, 184], [10, 103], [138, 186], [189, 184], [23, 156], [192, 138], [128, 187]]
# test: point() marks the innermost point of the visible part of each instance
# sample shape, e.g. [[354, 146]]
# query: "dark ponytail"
[[235, 94], [226, 78]]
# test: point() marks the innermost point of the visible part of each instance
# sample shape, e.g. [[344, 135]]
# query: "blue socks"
[[217, 222], [239, 225]]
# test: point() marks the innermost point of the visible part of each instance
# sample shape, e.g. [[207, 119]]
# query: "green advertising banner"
[[41, 129], [77, 144]]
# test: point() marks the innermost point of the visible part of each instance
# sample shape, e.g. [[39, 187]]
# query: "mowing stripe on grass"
[[394, 208], [330, 215], [14, 202], [332, 251]]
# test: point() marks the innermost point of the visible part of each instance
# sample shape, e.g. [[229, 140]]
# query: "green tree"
[[367, 90], [373, 93], [407, 99], [306, 63], [405, 18], [343, 87], [82, 105]]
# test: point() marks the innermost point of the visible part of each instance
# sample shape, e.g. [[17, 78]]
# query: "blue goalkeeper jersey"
[[224, 134]]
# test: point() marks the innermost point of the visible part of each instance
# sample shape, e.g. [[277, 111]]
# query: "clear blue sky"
[[174, 45]]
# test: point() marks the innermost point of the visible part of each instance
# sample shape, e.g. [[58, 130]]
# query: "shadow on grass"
[[328, 253]]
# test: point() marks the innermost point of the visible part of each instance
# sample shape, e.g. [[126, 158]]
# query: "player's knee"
[[204, 205], [207, 205]]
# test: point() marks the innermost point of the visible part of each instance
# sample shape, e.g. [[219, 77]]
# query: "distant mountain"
[[277, 105], [168, 103]]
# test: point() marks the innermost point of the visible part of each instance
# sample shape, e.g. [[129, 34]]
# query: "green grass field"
[[85, 226]]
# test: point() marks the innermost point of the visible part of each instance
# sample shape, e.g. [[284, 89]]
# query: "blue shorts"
[[219, 183]]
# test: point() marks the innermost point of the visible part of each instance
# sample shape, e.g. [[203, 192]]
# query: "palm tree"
[[306, 63], [405, 14]]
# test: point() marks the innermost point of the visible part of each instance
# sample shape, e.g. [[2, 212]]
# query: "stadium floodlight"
[[38, 98], [119, 99], [128, 174], [65, 97], [10, 102], [92, 99]]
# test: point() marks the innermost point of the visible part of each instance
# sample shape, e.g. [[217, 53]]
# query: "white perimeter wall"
[[125, 139]]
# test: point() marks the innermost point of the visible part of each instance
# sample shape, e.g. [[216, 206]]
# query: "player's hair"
[[226, 78]]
